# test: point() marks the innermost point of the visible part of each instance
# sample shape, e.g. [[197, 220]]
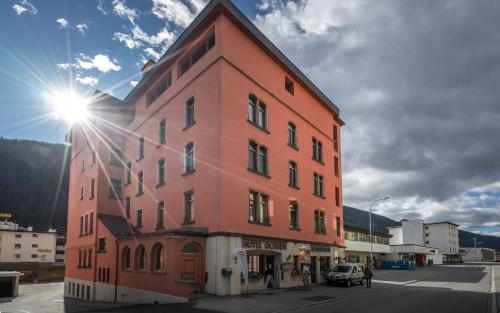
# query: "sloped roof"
[[212, 10], [117, 226]]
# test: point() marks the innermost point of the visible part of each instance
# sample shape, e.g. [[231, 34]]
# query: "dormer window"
[[289, 85], [196, 54]]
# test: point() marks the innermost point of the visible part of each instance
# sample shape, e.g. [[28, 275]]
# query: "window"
[[115, 188], [129, 172], [188, 207], [257, 158], [294, 215], [141, 148], [91, 222], [81, 225], [86, 224], [127, 207], [258, 208], [116, 157], [34, 245], [292, 135], [257, 112], [189, 118], [337, 196], [35, 236], [18, 235], [197, 53], [139, 218], [17, 246], [102, 244], [162, 132], [34, 256], [292, 174], [336, 166], [83, 166], [317, 150], [79, 258], [156, 92], [92, 160], [89, 263], [189, 157], [254, 263], [140, 258], [319, 222], [81, 193], [160, 211], [84, 258], [130, 116], [126, 258], [335, 141], [140, 183], [289, 85], [17, 255], [157, 259], [92, 185], [161, 172], [318, 185], [338, 226]]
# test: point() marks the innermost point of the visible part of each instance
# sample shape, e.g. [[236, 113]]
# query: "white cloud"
[[100, 62], [134, 83], [63, 23], [121, 9], [176, 11], [65, 66], [128, 40], [82, 28], [152, 53], [100, 7], [87, 80], [24, 6]]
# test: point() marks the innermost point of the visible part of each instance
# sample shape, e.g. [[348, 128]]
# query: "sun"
[[68, 106]]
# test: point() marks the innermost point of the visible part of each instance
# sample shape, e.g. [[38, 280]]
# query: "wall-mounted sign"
[[5, 215], [315, 248], [285, 267], [305, 253], [44, 250], [267, 245]]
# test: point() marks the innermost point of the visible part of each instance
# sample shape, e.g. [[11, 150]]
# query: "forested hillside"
[[34, 180]]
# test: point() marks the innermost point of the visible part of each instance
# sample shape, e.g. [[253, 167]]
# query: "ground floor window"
[[324, 264]]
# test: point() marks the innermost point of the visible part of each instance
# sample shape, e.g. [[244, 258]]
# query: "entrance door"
[[313, 270], [191, 266]]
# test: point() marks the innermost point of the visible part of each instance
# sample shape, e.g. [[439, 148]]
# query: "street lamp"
[[370, 222]]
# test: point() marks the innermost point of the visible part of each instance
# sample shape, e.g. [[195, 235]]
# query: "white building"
[[357, 245], [24, 245], [477, 254], [443, 236]]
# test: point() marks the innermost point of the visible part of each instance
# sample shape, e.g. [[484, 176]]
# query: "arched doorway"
[[191, 264]]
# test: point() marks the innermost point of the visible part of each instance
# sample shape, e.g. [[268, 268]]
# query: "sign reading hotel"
[[42, 250], [5, 215], [263, 245]]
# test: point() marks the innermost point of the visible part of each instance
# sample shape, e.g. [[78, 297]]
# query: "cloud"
[[134, 83], [82, 28], [418, 96], [65, 66], [100, 62], [138, 38], [63, 23], [24, 6], [87, 80], [121, 9], [177, 12], [128, 40], [100, 7], [152, 53]]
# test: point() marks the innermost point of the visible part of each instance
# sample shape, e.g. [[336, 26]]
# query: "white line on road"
[[493, 291], [389, 282]]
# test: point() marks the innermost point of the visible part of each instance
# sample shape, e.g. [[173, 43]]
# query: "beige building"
[[23, 245]]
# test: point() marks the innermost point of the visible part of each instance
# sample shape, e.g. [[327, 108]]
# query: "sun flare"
[[68, 106]]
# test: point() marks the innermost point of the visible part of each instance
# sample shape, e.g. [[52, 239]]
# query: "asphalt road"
[[464, 288]]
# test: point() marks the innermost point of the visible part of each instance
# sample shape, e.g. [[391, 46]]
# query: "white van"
[[346, 274]]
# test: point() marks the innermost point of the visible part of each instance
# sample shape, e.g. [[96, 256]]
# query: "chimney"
[[147, 67]]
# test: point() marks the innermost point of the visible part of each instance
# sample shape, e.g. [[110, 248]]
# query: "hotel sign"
[[44, 250], [263, 245], [5, 215], [320, 248]]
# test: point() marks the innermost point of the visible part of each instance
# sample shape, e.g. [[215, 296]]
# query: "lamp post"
[[370, 222]]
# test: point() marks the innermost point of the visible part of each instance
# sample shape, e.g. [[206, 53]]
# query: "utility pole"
[[370, 222]]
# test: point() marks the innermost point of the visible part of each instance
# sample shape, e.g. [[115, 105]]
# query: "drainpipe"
[[116, 270]]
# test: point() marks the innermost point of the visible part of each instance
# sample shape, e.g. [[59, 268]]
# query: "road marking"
[[493, 291], [400, 283]]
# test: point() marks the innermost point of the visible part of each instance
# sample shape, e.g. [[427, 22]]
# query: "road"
[[461, 288]]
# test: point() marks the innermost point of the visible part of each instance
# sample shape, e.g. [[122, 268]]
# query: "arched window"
[[140, 258], [157, 258], [190, 248], [126, 258]]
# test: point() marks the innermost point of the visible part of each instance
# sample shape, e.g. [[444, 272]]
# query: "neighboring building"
[[60, 248], [23, 245], [223, 144], [418, 241], [477, 254], [357, 242]]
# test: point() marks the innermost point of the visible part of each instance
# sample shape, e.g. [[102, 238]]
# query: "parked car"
[[346, 274], [498, 260]]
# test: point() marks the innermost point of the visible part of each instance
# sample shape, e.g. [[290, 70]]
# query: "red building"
[[223, 144]]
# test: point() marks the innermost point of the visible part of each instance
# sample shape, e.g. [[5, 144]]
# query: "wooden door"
[[190, 265]]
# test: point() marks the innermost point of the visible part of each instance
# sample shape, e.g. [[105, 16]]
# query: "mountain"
[[34, 181], [359, 218]]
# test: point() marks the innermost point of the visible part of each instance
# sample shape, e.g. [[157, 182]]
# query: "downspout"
[[116, 270]]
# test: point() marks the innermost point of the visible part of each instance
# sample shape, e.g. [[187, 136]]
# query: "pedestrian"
[[368, 275]]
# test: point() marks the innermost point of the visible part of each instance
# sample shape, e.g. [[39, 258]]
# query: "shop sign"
[[320, 249], [5, 215], [44, 250], [267, 245]]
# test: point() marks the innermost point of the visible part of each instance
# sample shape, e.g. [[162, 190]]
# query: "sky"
[[417, 83]]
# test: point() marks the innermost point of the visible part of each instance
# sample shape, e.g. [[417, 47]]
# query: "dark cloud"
[[418, 84]]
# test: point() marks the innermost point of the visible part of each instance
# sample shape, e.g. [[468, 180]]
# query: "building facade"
[[23, 245], [223, 145], [477, 254]]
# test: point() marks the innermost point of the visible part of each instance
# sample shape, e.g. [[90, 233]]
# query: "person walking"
[[368, 275]]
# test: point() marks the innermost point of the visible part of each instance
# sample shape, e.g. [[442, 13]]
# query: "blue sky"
[[416, 83]]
